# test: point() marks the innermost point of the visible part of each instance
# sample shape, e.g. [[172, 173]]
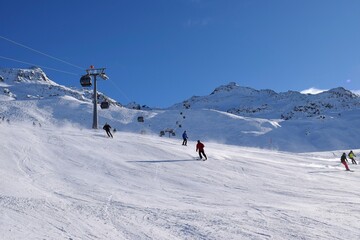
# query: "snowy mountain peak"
[[225, 88], [24, 75], [21, 89], [233, 87], [245, 101], [33, 83], [340, 92]]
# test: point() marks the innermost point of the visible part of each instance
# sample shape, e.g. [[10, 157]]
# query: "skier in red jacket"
[[344, 161], [200, 147]]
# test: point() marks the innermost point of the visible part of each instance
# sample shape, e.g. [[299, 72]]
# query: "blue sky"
[[161, 52]]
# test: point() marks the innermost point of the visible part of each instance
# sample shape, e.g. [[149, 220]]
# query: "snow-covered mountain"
[[60, 179], [233, 114], [31, 88], [245, 101]]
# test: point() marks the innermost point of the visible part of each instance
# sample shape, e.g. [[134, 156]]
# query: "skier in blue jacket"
[[185, 137]]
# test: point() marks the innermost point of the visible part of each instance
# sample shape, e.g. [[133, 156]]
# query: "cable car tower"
[[85, 81]]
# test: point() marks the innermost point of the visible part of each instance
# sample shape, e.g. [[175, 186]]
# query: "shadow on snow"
[[165, 161]]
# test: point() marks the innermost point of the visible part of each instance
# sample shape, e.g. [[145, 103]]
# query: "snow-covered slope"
[[66, 183], [60, 179]]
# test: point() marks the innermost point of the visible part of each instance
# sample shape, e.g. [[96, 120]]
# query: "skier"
[[107, 128], [351, 156], [200, 147], [344, 161], [185, 137]]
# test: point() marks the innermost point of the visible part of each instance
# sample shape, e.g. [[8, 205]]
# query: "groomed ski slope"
[[66, 183]]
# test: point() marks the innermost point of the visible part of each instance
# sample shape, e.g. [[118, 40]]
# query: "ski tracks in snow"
[[23, 161]]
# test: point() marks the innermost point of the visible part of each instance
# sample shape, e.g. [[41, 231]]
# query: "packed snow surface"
[[67, 183], [273, 170]]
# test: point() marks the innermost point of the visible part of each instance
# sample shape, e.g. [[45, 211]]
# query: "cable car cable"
[[55, 58], [34, 50], [118, 88], [54, 69]]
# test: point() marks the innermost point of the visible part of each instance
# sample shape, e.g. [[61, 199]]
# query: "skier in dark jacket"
[[200, 147], [107, 128], [344, 161], [185, 137]]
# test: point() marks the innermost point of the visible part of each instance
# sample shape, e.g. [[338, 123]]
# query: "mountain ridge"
[[245, 101], [233, 114]]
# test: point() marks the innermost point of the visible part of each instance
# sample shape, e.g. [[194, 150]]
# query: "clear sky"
[[161, 52]]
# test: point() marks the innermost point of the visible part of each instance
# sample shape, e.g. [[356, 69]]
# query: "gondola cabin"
[[104, 105], [85, 81], [140, 119]]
